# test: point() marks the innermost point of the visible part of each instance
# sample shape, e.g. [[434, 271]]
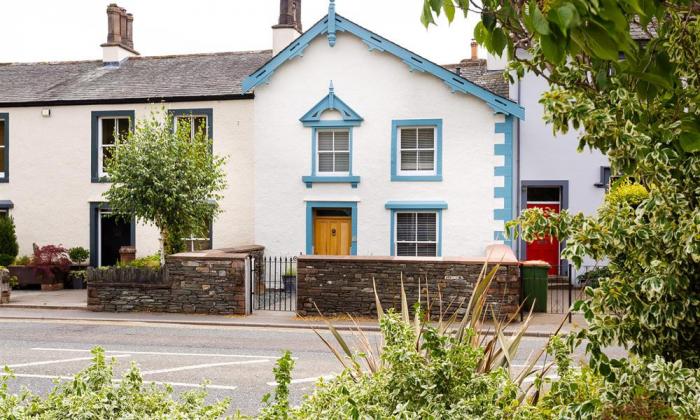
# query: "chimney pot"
[[120, 41], [130, 30], [288, 26], [475, 50], [290, 14], [114, 34]]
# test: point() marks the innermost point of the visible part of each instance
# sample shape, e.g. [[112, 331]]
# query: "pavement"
[[70, 305]]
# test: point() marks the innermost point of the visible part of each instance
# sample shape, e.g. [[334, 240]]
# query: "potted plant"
[[289, 279], [78, 255], [77, 279]]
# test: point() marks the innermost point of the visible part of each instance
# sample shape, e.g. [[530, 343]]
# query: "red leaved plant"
[[50, 259]]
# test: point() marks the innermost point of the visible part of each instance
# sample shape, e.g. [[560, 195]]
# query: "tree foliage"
[[637, 102], [8, 241], [166, 177]]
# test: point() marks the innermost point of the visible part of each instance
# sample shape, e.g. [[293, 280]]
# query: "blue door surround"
[[311, 205]]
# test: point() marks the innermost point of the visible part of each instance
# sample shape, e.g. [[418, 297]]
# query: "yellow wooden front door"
[[332, 235]]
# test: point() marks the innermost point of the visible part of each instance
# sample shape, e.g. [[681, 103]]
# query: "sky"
[[47, 30]]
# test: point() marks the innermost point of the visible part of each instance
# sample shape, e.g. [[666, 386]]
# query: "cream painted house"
[[339, 142]]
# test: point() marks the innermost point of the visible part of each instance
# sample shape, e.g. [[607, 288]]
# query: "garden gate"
[[273, 283]]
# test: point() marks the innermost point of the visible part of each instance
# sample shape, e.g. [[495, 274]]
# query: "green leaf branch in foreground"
[[166, 177], [636, 101], [94, 393]]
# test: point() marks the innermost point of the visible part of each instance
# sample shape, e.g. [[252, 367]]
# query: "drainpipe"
[[518, 190]]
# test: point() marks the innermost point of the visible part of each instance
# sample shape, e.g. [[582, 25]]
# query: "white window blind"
[[110, 128], [417, 150], [333, 151], [416, 234]]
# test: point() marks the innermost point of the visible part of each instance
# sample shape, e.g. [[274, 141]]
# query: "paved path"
[[70, 305], [75, 299]]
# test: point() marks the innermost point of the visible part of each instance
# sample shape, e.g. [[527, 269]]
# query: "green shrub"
[[8, 241], [592, 277], [151, 261], [94, 394], [23, 260], [78, 254], [627, 193]]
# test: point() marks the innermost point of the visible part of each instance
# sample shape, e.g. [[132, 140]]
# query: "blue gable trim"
[[311, 205], [330, 101], [375, 42], [506, 171]]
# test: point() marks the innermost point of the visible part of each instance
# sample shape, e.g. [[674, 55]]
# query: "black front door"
[[114, 234]]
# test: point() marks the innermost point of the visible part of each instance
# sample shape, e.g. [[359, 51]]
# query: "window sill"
[[315, 179], [416, 178], [100, 179]]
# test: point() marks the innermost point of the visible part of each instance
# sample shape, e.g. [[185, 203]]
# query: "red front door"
[[546, 249]]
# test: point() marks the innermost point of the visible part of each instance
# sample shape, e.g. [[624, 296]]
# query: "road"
[[237, 361]]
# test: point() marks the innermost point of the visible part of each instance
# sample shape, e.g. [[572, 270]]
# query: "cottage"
[[339, 142]]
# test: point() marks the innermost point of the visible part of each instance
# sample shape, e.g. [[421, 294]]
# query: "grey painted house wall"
[[553, 159]]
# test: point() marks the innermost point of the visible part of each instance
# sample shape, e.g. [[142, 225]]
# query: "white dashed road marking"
[[159, 353], [51, 362], [182, 384], [202, 366], [305, 380]]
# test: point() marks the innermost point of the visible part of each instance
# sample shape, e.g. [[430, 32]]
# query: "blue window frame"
[[416, 150], [416, 228], [99, 143], [194, 115], [325, 149], [5, 147], [321, 172], [311, 205]]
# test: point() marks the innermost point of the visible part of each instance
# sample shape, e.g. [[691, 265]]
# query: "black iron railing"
[[566, 285], [274, 284]]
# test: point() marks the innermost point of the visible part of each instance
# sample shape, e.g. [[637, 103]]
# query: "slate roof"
[[183, 77], [476, 71], [175, 77]]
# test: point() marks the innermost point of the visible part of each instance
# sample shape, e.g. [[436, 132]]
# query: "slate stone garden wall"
[[340, 285], [207, 282]]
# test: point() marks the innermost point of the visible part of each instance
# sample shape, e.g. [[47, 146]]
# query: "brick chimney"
[[288, 26], [475, 50], [120, 41]]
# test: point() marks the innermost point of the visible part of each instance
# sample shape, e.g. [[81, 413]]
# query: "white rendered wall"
[[546, 157], [50, 178], [380, 88]]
